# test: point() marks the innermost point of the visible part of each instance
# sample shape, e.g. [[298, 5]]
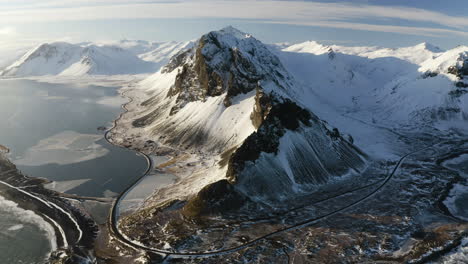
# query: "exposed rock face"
[[216, 198], [461, 68], [280, 118], [291, 152], [263, 105], [461, 85]]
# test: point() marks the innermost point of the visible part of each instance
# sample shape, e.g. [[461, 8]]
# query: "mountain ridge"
[[125, 57], [410, 85]]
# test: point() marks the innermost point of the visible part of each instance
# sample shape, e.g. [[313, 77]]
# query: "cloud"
[[336, 15], [7, 31], [421, 31]]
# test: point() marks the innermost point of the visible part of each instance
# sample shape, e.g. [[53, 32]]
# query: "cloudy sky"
[[390, 23]]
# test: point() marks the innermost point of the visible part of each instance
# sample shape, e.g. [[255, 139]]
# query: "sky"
[[387, 23]]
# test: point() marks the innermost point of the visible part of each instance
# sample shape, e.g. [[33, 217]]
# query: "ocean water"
[[52, 132], [24, 236]]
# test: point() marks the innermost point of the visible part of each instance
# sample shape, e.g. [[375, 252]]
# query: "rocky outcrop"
[[291, 152], [217, 198], [263, 105], [280, 118], [461, 68]]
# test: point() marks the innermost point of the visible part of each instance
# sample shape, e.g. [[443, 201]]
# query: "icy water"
[[24, 236], [52, 132]]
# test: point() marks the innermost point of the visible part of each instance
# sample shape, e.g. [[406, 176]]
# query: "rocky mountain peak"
[[232, 31], [225, 61]]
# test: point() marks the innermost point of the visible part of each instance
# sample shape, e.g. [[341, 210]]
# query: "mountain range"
[[269, 138], [410, 85], [65, 59], [266, 109]]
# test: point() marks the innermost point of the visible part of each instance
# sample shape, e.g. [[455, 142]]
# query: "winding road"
[[113, 216]]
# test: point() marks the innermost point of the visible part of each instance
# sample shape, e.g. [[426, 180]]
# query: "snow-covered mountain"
[[157, 52], [230, 97], [413, 85], [137, 47], [75, 60], [415, 54], [124, 57], [163, 52]]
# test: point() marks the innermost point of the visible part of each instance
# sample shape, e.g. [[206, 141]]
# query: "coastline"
[[74, 230], [112, 223]]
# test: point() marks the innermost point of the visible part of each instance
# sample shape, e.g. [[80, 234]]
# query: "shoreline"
[[74, 230], [112, 223]]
